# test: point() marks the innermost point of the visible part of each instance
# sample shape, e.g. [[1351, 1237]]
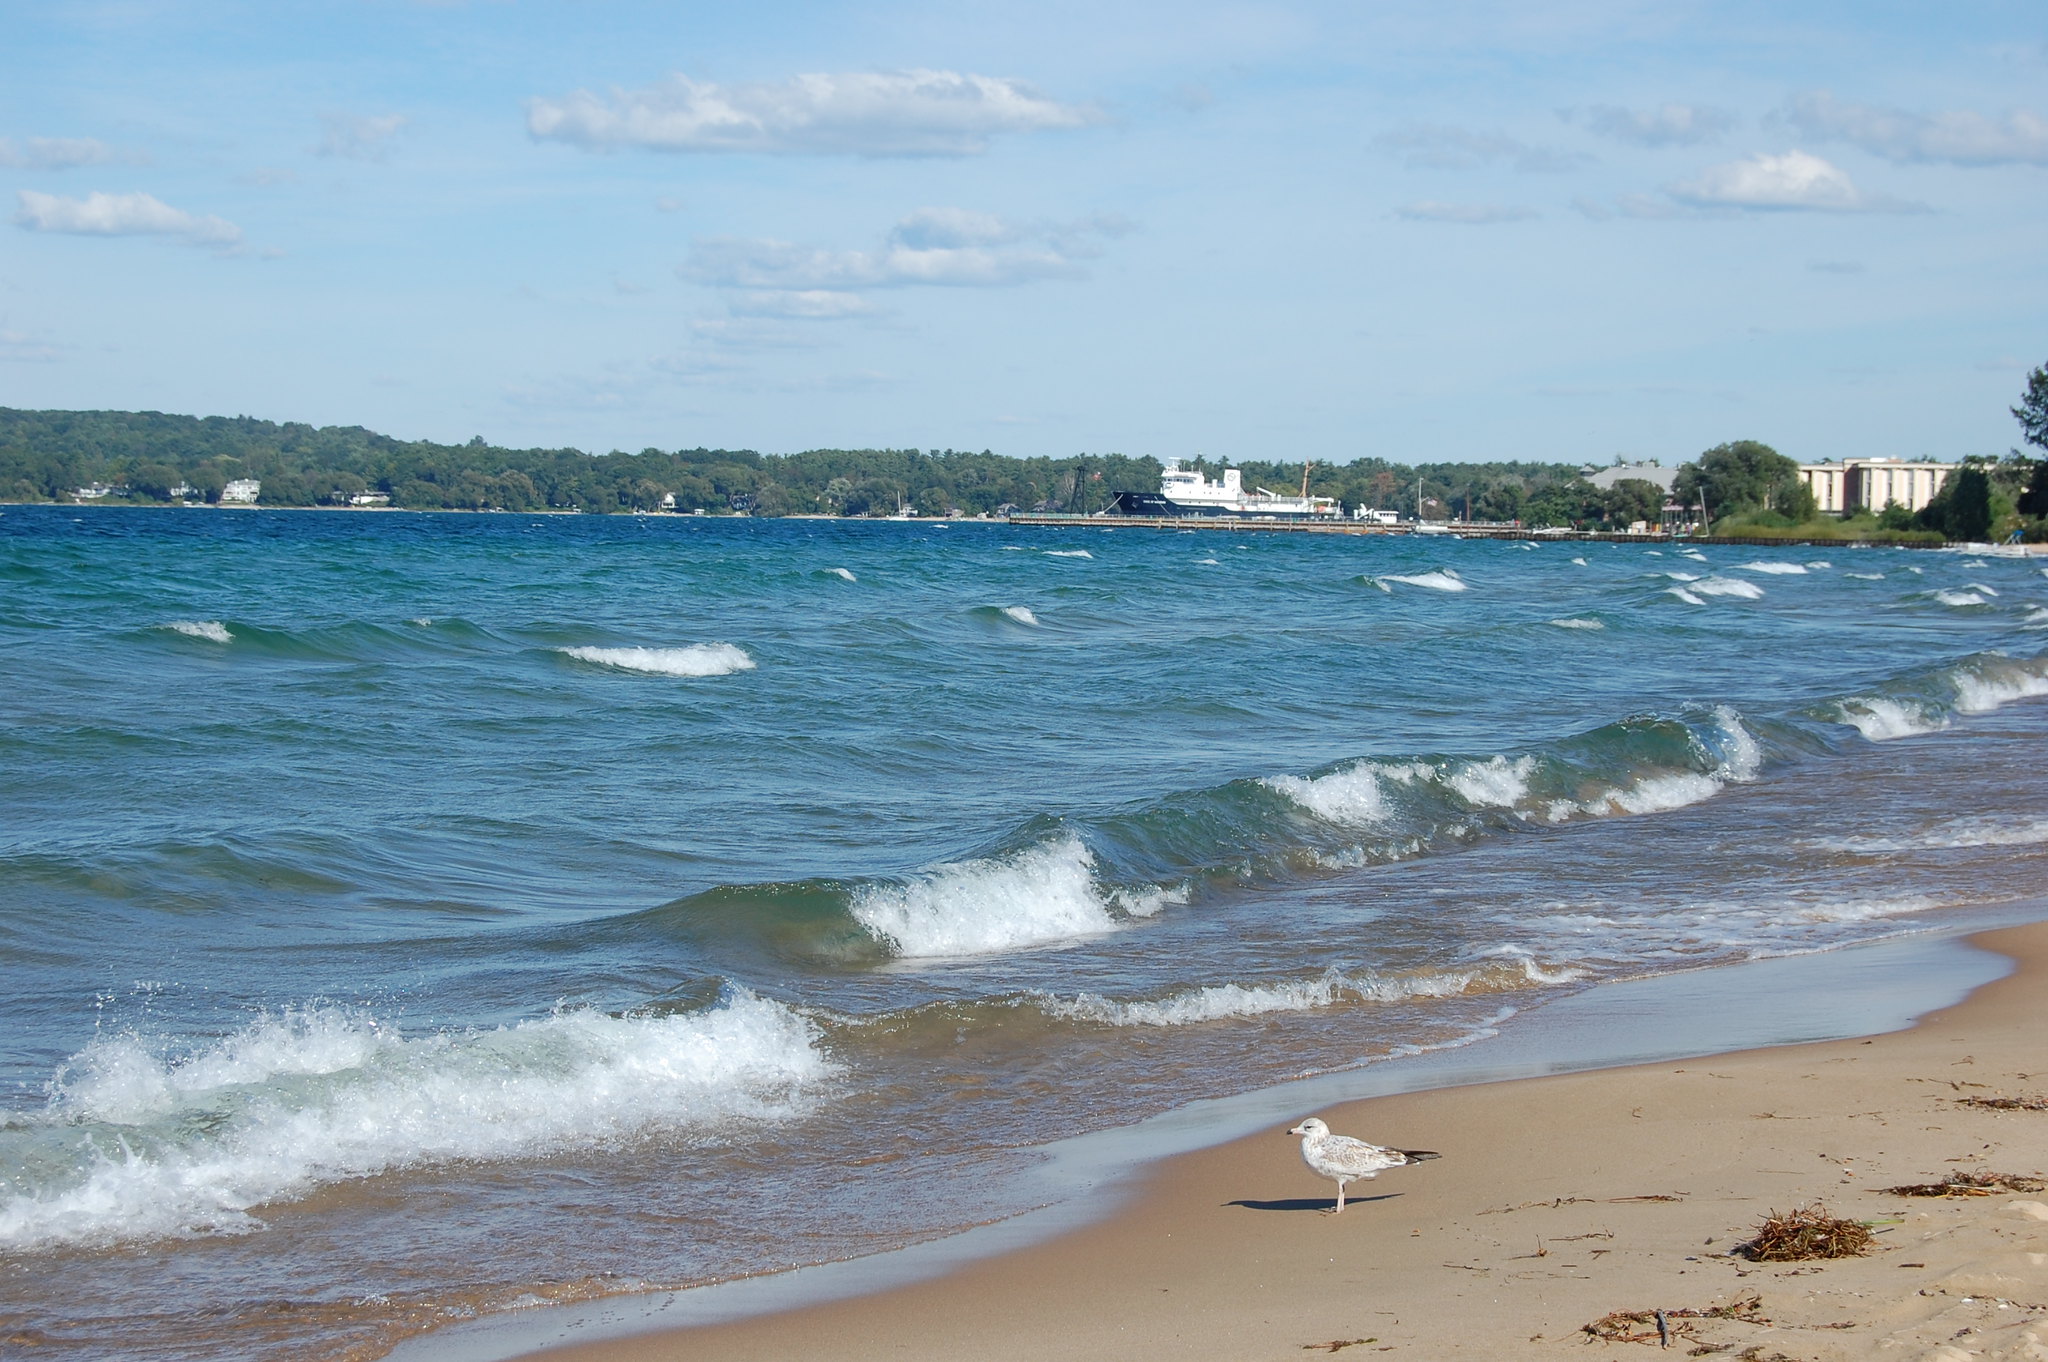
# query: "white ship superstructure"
[[1194, 494]]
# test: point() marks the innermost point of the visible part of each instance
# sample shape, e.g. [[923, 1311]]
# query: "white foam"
[[1442, 579], [1865, 576], [1352, 797], [1881, 718], [1035, 897], [1959, 599], [1579, 624], [1224, 1002], [1979, 587], [1207, 562], [1068, 553], [1729, 586], [1774, 569], [1957, 832], [1149, 902], [1497, 783], [1740, 759], [213, 631], [1682, 576], [1021, 614], [1376, 582], [1580, 561], [1981, 691], [846, 573], [155, 1145], [2036, 618], [1683, 595], [699, 659], [1819, 564]]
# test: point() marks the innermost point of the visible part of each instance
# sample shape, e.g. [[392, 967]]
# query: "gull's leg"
[[1340, 1196]]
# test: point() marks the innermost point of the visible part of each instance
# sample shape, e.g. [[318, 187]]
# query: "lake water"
[[411, 917]]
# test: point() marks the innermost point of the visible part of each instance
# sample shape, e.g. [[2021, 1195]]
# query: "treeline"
[[153, 457]]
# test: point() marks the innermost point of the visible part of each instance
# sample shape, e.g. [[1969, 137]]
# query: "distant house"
[[92, 491], [370, 499], [241, 492], [668, 501], [1853, 484]]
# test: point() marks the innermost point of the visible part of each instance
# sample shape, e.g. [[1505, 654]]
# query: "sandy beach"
[[1558, 1201]]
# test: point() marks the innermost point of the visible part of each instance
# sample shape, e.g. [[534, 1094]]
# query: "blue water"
[[409, 916]]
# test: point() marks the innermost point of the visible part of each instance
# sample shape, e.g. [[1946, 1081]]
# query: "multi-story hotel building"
[[1855, 483]]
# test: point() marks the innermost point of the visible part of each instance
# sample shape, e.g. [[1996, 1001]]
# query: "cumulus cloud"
[[1471, 214], [1960, 137], [355, 137], [1667, 125], [943, 246], [138, 214], [1434, 146], [1792, 182], [55, 153], [900, 113]]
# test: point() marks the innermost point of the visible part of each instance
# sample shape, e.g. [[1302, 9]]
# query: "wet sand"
[[1557, 1201]]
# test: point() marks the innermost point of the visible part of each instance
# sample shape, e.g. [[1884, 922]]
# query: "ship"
[[1188, 492]]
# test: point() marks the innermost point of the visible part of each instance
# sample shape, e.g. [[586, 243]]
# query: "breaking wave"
[[1442, 579], [1035, 897], [1578, 624], [1068, 553], [139, 1142], [1021, 614], [213, 631], [1729, 586], [1775, 569], [698, 659], [1930, 701]]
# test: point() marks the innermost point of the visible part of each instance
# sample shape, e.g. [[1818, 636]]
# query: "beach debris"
[[1335, 1344], [1344, 1159], [1808, 1233], [1665, 1326], [2004, 1103], [1982, 1182]]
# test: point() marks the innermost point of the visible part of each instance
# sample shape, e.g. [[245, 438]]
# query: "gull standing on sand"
[[1344, 1159]]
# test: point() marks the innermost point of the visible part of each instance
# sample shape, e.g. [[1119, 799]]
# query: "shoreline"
[[1119, 1196]]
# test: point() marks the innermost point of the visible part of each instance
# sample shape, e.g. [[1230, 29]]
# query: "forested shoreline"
[[143, 458], [153, 457]]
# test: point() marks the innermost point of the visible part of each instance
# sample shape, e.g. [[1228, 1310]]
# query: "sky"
[[1455, 230]]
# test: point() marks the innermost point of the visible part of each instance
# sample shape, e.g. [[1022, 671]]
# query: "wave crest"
[[698, 659]]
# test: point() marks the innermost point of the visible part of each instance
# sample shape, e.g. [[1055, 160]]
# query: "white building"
[[241, 492], [1644, 472], [1852, 484]]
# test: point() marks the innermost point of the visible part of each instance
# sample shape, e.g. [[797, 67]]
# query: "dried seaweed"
[[1663, 1326], [2004, 1103], [1980, 1183], [1801, 1235]]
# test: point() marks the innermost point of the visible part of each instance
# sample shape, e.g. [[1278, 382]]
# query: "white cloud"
[[1666, 125], [814, 304], [1471, 214], [1433, 146], [1794, 181], [945, 246], [356, 137], [22, 347], [901, 113], [1960, 138], [138, 214], [55, 153]]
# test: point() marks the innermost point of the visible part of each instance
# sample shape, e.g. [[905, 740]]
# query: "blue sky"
[[1453, 230]]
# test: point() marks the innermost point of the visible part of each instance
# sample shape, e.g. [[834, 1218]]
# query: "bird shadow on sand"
[[1311, 1203]]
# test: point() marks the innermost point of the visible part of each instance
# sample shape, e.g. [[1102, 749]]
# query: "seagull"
[[1347, 1160]]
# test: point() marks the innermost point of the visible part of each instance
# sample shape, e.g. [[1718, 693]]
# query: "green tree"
[[1633, 499], [2032, 412], [1969, 505], [1738, 478], [2033, 501]]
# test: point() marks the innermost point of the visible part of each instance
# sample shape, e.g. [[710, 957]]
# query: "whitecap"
[[1959, 600], [1068, 553], [1441, 579], [1682, 576], [213, 631], [1352, 796], [1207, 562], [1865, 576], [1580, 561], [1729, 586], [1983, 690], [1684, 595], [1882, 718], [1496, 783], [1773, 569], [698, 659], [138, 1144], [1820, 564], [1021, 614], [845, 573], [1579, 624], [1226, 1002], [1035, 897]]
